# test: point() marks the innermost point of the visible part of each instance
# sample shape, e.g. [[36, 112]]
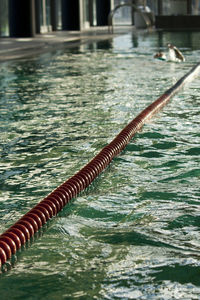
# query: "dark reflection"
[[177, 273], [24, 82], [135, 40], [92, 47], [26, 68], [160, 39], [182, 39], [184, 221], [74, 50], [105, 45], [128, 238]]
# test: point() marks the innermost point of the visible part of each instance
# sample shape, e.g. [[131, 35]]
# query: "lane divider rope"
[[19, 233]]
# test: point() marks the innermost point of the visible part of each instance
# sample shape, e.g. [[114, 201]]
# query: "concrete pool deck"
[[16, 48]]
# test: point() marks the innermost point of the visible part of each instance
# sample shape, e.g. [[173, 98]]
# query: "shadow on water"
[[177, 273]]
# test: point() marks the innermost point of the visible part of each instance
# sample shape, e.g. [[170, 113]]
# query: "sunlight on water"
[[134, 233]]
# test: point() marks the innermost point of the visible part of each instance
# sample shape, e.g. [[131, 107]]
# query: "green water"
[[134, 233]]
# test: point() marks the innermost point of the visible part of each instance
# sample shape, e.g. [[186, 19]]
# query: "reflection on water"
[[134, 233]]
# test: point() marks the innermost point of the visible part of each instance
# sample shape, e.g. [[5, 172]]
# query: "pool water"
[[134, 233]]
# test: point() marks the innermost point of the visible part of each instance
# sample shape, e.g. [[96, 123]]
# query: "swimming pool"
[[134, 233]]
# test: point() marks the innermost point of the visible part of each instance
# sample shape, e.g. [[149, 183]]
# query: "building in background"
[[167, 14], [178, 14], [25, 18]]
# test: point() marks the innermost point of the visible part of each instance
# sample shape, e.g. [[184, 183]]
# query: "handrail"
[[135, 8]]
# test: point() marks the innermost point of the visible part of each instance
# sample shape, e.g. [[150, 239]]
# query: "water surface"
[[134, 233]]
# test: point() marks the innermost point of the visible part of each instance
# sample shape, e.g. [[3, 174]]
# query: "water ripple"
[[134, 233]]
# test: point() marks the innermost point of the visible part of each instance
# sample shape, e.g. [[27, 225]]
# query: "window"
[[4, 24]]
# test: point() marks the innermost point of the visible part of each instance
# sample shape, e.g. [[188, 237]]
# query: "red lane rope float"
[[18, 234]]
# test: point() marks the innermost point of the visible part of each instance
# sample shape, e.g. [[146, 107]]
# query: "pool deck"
[[17, 48]]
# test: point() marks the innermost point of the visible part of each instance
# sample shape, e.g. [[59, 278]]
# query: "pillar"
[[22, 18]]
